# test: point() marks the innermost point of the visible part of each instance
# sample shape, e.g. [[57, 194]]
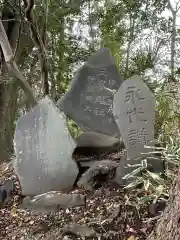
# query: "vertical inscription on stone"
[[43, 149], [97, 100], [134, 111], [89, 99]]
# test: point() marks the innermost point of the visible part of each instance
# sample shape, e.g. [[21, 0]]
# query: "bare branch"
[[5, 45], [29, 4], [177, 7], [20, 27], [170, 6]]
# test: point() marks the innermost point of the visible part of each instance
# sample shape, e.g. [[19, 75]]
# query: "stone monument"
[[89, 99], [134, 112], [44, 148]]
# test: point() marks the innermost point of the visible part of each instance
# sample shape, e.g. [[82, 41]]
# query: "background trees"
[[143, 36]]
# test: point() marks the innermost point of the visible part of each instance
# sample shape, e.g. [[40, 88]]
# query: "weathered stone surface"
[[92, 143], [89, 99], [123, 169], [134, 111], [84, 231], [97, 174], [53, 202], [88, 164], [43, 150]]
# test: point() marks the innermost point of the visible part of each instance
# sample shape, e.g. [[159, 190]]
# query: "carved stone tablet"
[[89, 99], [134, 111], [44, 150]]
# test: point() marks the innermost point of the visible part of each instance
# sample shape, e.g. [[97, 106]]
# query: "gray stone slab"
[[134, 111], [53, 201], [94, 139], [89, 99], [44, 148]]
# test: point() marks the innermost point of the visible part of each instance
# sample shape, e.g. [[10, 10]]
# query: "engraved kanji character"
[[102, 77], [109, 101], [90, 88], [142, 136], [130, 113], [110, 108], [99, 112], [88, 118], [132, 93], [103, 100], [91, 79], [109, 120], [138, 113], [112, 82], [102, 69], [98, 99], [87, 108], [132, 136], [138, 93], [89, 98], [102, 112]]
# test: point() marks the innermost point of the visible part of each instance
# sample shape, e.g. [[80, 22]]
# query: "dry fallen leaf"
[[14, 212], [132, 238], [17, 223]]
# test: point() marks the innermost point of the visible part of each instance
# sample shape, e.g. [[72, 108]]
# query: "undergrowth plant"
[[150, 186]]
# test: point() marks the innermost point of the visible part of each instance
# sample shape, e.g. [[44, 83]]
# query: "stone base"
[[155, 165]]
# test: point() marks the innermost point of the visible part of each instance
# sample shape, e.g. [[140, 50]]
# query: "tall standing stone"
[[134, 111], [44, 148], [89, 99]]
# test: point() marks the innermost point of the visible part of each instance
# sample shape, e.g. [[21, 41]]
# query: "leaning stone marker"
[[44, 148], [89, 99], [134, 111]]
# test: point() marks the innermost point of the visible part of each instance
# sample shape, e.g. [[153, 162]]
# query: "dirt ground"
[[109, 212]]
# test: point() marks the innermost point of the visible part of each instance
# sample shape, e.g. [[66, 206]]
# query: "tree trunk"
[[173, 39], [130, 40], [173, 42], [168, 227], [9, 90], [8, 99]]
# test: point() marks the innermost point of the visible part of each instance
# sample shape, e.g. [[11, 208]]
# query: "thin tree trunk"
[[173, 39], [8, 100], [61, 54], [9, 95], [168, 227], [130, 40], [52, 69]]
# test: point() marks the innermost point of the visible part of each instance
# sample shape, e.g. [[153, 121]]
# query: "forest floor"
[[110, 213]]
